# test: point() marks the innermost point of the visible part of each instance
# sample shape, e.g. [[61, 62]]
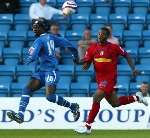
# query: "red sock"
[[92, 114], [123, 100]]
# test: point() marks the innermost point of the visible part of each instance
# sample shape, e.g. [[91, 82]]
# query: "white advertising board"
[[42, 114]]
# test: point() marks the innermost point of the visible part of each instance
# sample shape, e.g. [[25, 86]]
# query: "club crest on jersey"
[[101, 53], [103, 83], [31, 49]]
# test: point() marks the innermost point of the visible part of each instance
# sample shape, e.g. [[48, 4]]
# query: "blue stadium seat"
[[21, 19], [23, 79], [136, 22], [79, 89], [142, 78], [23, 27], [61, 20], [1, 51], [4, 89], [144, 69], [84, 3], [145, 60], [30, 36], [122, 3], [25, 70], [144, 52], [16, 89], [146, 43], [123, 79], [65, 70], [118, 27], [124, 70], [59, 3], [67, 61], [6, 19], [13, 52], [52, 2], [103, 7], [84, 10], [27, 3], [4, 27], [122, 85], [146, 35], [7, 70], [80, 18], [17, 35], [99, 19], [74, 35], [16, 43], [122, 88], [117, 18], [122, 6], [6, 79], [81, 86], [3, 36], [123, 61], [132, 35], [132, 44], [93, 87], [85, 6], [134, 87], [140, 6], [63, 86], [133, 53], [78, 25], [140, 3], [140, 10], [80, 72], [11, 61]]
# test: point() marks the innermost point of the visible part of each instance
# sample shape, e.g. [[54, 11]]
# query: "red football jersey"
[[104, 57]]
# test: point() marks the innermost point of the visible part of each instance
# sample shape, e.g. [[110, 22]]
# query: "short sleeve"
[[88, 57], [120, 51]]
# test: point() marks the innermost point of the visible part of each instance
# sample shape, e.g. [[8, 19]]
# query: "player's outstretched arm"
[[86, 65], [62, 42], [135, 72]]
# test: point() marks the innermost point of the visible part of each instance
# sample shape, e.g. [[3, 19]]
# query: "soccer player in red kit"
[[104, 56]]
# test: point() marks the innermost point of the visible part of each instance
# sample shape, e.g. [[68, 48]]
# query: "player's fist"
[[135, 72]]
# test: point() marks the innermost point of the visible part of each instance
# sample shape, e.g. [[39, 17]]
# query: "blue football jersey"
[[43, 49]]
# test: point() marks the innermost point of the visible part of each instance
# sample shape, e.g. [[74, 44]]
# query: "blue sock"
[[59, 100], [24, 102]]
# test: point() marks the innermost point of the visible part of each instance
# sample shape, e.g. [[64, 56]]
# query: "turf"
[[72, 134]]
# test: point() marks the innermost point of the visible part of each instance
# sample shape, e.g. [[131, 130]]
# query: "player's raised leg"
[[51, 81], [123, 100], [33, 85]]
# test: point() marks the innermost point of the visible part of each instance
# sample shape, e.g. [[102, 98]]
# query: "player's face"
[[144, 88], [103, 36], [36, 29]]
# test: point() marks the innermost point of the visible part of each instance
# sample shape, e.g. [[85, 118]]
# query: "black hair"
[[106, 29], [41, 22]]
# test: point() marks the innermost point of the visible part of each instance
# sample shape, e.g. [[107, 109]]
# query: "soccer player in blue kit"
[[44, 49]]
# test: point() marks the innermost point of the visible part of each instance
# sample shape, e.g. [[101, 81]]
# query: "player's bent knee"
[[51, 98], [27, 91], [115, 105]]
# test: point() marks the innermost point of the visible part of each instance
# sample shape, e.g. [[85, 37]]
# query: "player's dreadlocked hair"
[[107, 30], [41, 22]]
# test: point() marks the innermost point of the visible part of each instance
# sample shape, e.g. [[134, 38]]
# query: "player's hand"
[[86, 66], [75, 59], [135, 72]]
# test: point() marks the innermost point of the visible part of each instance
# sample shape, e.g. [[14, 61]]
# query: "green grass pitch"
[[72, 134]]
